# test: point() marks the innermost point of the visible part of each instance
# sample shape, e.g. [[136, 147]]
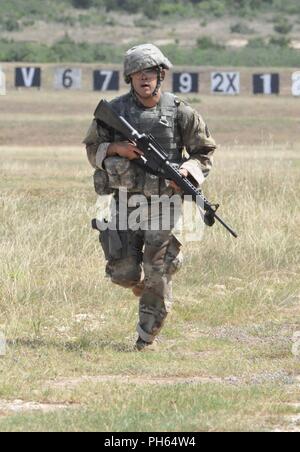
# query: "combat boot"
[[142, 345], [139, 289]]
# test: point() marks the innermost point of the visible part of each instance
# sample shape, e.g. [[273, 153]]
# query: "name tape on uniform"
[[2, 83], [106, 80], [185, 82], [225, 83], [266, 84], [67, 78]]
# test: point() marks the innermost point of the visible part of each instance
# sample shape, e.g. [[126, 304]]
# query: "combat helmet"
[[143, 57]]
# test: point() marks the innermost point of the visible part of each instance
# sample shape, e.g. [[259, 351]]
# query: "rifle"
[[156, 161]]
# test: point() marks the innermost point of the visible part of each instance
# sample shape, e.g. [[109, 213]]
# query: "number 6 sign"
[[67, 78]]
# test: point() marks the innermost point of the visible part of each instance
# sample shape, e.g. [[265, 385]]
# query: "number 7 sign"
[[106, 80]]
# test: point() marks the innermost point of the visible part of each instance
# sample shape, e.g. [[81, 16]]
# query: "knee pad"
[[126, 272]]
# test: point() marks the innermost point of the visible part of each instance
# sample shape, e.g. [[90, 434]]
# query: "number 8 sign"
[[185, 82]]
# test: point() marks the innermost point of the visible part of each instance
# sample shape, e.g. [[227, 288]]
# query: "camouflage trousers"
[[149, 257]]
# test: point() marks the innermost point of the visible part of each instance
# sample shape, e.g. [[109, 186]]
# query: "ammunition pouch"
[[122, 173], [156, 186], [101, 183]]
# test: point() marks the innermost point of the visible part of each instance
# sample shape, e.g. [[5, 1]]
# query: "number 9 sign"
[[185, 82]]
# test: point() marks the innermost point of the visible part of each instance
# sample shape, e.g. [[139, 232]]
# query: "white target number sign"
[[2, 83], [296, 83], [225, 83], [67, 78]]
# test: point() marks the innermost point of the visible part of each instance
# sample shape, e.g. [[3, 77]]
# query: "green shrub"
[[68, 51], [283, 26], [82, 4], [28, 23], [151, 9], [215, 8], [206, 42], [280, 41], [241, 28], [10, 24], [257, 43], [67, 20]]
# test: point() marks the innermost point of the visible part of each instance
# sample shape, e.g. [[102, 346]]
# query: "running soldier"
[[146, 259]]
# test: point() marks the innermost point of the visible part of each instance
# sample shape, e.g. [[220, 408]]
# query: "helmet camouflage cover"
[[143, 57]]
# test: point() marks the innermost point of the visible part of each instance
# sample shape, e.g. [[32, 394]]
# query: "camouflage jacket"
[[191, 134]]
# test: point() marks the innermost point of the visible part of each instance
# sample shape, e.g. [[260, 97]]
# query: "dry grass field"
[[225, 361]]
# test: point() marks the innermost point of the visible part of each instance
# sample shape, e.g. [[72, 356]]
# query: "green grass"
[[180, 408]]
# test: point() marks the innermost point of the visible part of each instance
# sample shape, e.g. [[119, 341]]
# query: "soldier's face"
[[144, 82]]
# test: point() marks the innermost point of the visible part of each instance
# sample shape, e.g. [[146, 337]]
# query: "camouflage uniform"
[[145, 255]]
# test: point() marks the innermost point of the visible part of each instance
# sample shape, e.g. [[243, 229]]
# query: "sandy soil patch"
[[20, 406]]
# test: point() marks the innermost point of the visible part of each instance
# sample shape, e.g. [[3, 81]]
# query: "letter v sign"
[[28, 76]]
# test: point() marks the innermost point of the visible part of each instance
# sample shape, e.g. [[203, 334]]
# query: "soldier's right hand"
[[124, 149]]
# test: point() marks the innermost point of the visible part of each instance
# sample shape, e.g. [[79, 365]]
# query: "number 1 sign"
[[266, 84]]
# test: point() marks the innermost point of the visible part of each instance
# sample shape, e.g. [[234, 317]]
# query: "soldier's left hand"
[[174, 186]]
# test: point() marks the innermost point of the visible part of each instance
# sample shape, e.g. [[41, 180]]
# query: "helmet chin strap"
[[159, 80]]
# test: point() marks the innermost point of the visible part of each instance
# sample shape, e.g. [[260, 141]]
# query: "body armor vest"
[[160, 121]]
